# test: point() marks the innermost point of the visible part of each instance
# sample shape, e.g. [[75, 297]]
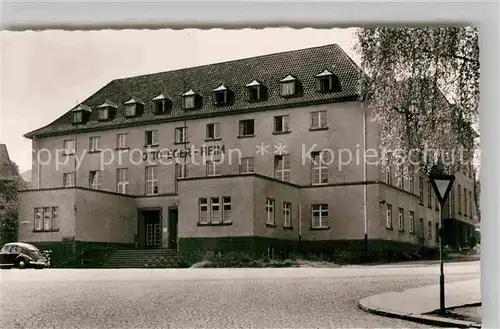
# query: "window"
[[470, 204], [255, 91], [319, 120], [247, 165], [465, 202], [437, 232], [69, 179], [401, 219], [38, 219], [130, 110], [95, 179], [204, 211], [288, 86], [215, 212], [282, 167], [411, 223], [189, 100], [121, 180], [133, 107], [421, 189], [459, 199], [213, 131], [411, 176], [327, 82], [46, 219], [270, 213], [181, 135], [151, 180], [69, 146], [401, 177], [78, 117], [246, 128], [180, 170], [287, 214], [451, 201], [282, 124], [222, 96], [389, 216], [103, 114], [319, 216], [429, 194], [213, 168], [429, 230], [388, 170], [151, 137], [94, 144], [226, 209], [161, 104], [121, 141], [218, 213], [319, 167], [421, 228]]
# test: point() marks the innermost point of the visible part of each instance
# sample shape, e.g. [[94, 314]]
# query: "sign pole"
[[441, 263]]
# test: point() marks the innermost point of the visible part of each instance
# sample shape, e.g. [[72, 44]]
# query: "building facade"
[[264, 154]]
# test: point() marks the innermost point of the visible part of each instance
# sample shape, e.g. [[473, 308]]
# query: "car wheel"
[[21, 264]]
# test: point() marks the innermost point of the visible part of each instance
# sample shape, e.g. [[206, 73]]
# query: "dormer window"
[[161, 104], [327, 82], [81, 114], [190, 100], [106, 110], [255, 91], [222, 96], [290, 86], [134, 107]]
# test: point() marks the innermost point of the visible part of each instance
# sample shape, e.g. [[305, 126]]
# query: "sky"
[[46, 73]]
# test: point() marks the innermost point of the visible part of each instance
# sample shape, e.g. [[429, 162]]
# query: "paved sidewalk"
[[415, 304]]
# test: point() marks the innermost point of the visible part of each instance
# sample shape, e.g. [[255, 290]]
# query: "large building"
[[246, 155]]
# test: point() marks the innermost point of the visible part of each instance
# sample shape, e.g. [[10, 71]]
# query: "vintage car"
[[22, 255]]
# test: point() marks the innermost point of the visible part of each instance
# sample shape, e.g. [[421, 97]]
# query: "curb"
[[419, 318]]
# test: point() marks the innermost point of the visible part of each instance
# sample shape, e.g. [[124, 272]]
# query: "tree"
[[9, 206], [422, 85]]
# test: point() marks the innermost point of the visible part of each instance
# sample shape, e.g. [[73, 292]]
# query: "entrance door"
[[173, 215], [152, 229]]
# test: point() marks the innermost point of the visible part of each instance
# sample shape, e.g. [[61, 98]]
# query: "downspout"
[[365, 187], [38, 166], [300, 226]]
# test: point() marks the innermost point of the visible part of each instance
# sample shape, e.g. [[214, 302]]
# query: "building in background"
[[242, 155]]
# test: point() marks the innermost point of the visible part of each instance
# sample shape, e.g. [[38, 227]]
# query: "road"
[[209, 298]]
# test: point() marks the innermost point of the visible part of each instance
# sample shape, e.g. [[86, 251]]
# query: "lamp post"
[[441, 184]]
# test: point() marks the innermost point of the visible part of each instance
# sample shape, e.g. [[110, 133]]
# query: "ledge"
[[245, 136], [281, 132], [45, 231], [288, 228], [213, 139], [215, 224], [318, 129], [95, 151], [271, 225], [181, 143], [322, 228]]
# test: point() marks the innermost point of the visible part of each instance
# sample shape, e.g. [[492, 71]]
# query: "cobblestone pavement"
[[208, 298]]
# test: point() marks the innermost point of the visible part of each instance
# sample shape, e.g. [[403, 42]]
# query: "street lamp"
[[441, 184]]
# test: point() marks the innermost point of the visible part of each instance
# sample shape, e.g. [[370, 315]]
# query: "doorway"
[[173, 219], [150, 229]]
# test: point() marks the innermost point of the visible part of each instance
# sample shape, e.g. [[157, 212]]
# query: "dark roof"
[[302, 64], [6, 169]]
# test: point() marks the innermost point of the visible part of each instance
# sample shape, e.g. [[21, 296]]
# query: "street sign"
[[442, 186]]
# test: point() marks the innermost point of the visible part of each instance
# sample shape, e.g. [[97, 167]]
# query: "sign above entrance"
[[205, 150]]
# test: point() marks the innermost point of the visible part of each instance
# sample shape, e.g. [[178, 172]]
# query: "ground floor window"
[[319, 216], [287, 214], [411, 223], [46, 219], [388, 219], [270, 213], [214, 210]]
